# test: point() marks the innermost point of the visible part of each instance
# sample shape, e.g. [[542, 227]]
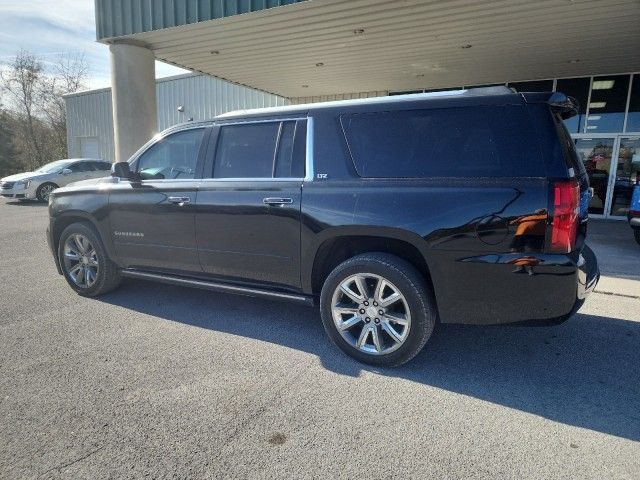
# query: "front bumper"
[[53, 250], [19, 193]]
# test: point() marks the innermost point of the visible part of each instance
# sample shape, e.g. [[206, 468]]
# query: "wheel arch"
[[46, 182], [340, 245], [62, 221]]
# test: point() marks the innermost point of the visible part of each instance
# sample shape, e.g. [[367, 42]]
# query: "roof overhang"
[[323, 47]]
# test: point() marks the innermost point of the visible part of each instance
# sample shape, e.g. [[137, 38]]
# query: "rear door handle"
[[273, 201], [180, 201]]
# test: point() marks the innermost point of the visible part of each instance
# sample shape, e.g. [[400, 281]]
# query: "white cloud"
[[48, 28]]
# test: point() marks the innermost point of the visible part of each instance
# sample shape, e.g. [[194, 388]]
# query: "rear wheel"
[[44, 190], [378, 309], [84, 261], [636, 233]]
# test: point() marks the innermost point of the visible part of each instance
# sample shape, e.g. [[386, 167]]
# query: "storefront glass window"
[[595, 154], [578, 88], [627, 175], [633, 118], [607, 104]]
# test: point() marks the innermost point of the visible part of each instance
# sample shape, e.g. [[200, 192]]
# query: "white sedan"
[[39, 184]]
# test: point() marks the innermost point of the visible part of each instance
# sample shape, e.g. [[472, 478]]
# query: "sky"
[[48, 28]]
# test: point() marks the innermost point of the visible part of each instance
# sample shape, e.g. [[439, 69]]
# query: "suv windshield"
[[53, 167]]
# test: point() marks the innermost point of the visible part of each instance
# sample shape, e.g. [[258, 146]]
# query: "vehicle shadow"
[[582, 373], [26, 203]]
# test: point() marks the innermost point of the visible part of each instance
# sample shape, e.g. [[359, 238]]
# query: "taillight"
[[565, 216]]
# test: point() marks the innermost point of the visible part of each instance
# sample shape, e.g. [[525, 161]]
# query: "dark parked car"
[[390, 213]]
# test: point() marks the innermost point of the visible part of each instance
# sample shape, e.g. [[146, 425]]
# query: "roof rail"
[[480, 91]]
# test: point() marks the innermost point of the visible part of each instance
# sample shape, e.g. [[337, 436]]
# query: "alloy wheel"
[[371, 313], [81, 260], [45, 191]]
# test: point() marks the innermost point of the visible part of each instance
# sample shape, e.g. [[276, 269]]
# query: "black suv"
[[390, 213]]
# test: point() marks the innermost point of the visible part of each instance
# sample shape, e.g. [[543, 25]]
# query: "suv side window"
[[260, 150], [485, 141], [174, 156]]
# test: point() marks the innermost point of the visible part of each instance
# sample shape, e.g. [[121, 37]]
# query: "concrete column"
[[133, 96]]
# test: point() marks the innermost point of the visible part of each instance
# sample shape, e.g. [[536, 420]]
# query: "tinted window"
[[260, 150], [79, 167], [577, 88], [633, 117], [175, 156], [102, 166], [460, 142], [99, 166], [607, 104]]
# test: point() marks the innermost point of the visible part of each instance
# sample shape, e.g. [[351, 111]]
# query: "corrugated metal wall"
[[203, 97], [124, 17], [89, 114], [337, 96]]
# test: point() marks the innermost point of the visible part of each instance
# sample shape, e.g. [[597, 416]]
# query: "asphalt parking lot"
[[166, 382]]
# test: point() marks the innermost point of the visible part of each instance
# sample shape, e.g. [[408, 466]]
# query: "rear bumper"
[[588, 272], [513, 287], [634, 222]]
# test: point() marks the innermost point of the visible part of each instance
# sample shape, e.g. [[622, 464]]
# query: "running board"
[[218, 287]]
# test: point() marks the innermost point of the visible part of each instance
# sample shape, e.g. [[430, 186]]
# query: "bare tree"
[[24, 83], [67, 76], [36, 108]]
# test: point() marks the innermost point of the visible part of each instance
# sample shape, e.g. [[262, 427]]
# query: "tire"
[[43, 191], [88, 254], [416, 309], [636, 234]]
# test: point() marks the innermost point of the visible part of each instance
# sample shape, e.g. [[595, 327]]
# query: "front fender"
[[68, 207]]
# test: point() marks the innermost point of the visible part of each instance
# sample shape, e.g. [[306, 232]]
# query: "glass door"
[[596, 154], [625, 176]]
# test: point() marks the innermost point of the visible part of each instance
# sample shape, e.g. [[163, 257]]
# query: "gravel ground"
[[166, 382]]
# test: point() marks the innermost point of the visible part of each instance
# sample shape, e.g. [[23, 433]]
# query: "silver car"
[[39, 184]]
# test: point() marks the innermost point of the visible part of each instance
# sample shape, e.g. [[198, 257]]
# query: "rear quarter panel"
[[468, 231]]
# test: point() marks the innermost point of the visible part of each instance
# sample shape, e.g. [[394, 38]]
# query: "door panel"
[[150, 228], [247, 221], [241, 236], [153, 219]]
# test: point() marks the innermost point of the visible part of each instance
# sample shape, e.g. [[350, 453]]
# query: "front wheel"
[[636, 233], [378, 309], [84, 261], [44, 190]]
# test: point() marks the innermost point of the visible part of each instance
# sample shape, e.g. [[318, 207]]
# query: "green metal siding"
[[116, 18]]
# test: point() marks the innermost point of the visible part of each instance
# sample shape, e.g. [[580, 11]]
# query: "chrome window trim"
[[243, 121], [308, 157]]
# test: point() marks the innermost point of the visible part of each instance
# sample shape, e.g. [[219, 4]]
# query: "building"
[[315, 50], [181, 98]]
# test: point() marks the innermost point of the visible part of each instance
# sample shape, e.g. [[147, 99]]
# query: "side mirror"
[[121, 170], [66, 171]]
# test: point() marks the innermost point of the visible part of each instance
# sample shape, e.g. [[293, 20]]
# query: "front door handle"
[[180, 201], [273, 201]]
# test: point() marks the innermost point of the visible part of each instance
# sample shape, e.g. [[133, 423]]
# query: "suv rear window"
[[495, 141]]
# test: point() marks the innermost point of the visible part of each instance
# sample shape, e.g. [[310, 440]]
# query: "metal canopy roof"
[[322, 47]]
